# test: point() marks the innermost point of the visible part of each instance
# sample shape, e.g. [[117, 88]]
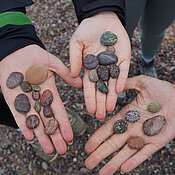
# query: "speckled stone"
[[114, 71], [90, 61], [32, 121], [25, 86], [46, 98], [51, 126], [37, 106], [135, 142], [14, 80], [154, 125], [35, 95], [108, 38], [93, 76], [132, 116], [102, 87], [36, 88], [110, 49], [120, 126], [47, 111], [154, 107], [103, 73]]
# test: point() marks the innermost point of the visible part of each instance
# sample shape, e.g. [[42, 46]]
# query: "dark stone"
[[108, 38], [37, 106], [132, 116], [110, 49], [102, 87], [114, 71], [32, 121], [135, 142], [47, 111], [25, 86], [90, 61], [46, 98], [14, 80], [35, 95], [120, 126], [51, 126], [103, 73], [36, 88]]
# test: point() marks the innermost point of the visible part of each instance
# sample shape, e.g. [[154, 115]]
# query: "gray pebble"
[[103, 73], [93, 76], [90, 61], [132, 116]]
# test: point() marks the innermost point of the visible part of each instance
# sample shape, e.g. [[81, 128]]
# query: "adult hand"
[[86, 40], [20, 61], [150, 90]]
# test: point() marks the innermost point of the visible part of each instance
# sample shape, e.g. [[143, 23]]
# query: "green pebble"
[[37, 106], [154, 107], [108, 38], [36, 88], [120, 126], [25, 86], [102, 87]]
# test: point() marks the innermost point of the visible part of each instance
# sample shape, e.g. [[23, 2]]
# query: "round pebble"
[[154, 107], [14, 80], [102, 87], [25, 86], [110, 49], [93, 76], [120, 126], [114, 71], [46, 98], [47, 111], [37, 106], [90, 61], [35, 95], [36, 88], [108, 38], [103, 73], [132, 116], [37, 74], [32, 121], [135, 142], [51, 126]]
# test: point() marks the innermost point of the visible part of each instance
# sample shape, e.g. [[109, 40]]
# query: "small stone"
[[103, 73], [135, 142], [107, 58], [110, 49], [47, 111], [51, 126], [25, 86], [154, 125], [114, 71], [132, 116], [154, 107], [14, 80], [22, 103], [102, 87], [46, 98], [108, 38], [74, 159], [120, 126], [35, 95], [37, 106], [44, 165], [36, 88], [93, 76], [32, 121], [90, 61], [36, 74]]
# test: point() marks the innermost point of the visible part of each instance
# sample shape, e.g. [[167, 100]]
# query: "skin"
[[20, 61], [86, 40], [150, 90]]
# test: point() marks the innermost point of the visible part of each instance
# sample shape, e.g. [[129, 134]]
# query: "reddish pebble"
[[46, 98], [32, 121], [47, 111], [110, 49], [51, 126], [135, 142]]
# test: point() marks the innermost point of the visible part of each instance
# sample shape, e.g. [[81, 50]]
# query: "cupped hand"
[[86, 40], [150, 90], [20, 61]]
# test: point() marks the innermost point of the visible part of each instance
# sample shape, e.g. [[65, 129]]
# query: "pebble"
[[37, 106], [102, 87], [36, 88], [120, 126], [44, 165], [51, 126], [90, 61], [114, 71], [132, 116], [107, 58], [110, 49], [135, 142], [93, 76], [154, 107], [25, 86], [47, 111], [35, 95], [22, 103], [154, 125], [103, 73], [108, 38], [14, 79], [46, 98], [37, 74], [32, 121]]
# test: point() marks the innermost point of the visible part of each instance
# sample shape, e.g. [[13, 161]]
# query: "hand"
[[20, 61], [86, 40], [150, 90]]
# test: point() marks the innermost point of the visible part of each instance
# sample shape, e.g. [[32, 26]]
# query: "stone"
[[35, 95], [90, 61], [154, 125], [25, 86], [46, 98], [110, 49], [45, 166], [103, 73], [132, 116], [120, 126], [93, 76], [114, 71], [22, 103], [36, 74], [108, 38], [51, 126], [154, 107], [107, 58], [135, 142], [32, 121], [14, 80], [102, 87], [37, 106], [36, 88], [47, 111]]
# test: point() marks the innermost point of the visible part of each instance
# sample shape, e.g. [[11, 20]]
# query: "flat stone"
[[108, 38], [51, 126], [47, 111], [114, 71], [132, 116], [37, 106], [120, 126], [14, 80], [93, 76], [36, 74], [103, 73], [35, 95], [90, 61], [25, 86], [32, 121], [102, 87], [36, 88], [154, 125], [110, 49], [22, 103], [46, 98], [107, 58], [135, 142], [154, 107]]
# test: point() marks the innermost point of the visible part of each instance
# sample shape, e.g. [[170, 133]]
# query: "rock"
[[102, 87], [44, 165], [108, 38], [90, 61], [83, 170], [114, 71], [36, 74], [93, 76], [25, 86], [120, 126], [107, 58], [46, 98], [35, 95], [37, 106], [110, 49], [36, 88], [103, 73], [154, 125], [32, 121], [22, 103], [14, 80], [51, 126], [74, 159], [132, 116], [135, 142], [47, 111], [154, 107]]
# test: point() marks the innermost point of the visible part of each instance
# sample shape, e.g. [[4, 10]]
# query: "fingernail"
[[121, 172], [63, 155], [70, 143]]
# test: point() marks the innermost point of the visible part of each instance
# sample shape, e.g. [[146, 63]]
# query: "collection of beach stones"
[[35, 75], [103, 66]]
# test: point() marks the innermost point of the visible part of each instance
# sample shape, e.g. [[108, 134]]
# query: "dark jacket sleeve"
[[88, 8]]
